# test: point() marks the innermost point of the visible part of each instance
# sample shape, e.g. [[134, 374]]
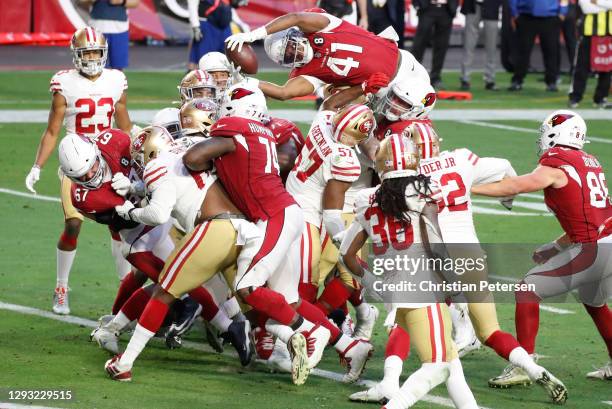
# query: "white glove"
[[337, 239], [32, 178], [379, 3], [121, 184], [124, 210], [546, 251], [236, 40], [196, 33]]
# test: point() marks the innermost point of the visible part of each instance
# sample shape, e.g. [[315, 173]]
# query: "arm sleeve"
[[489, 170], [333, 23], [332, 220], [194, 18], [160, 206], [354, 229], [316, 83]]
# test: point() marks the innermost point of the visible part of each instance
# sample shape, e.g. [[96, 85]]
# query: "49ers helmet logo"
[[366, 126], [138, 142], [559, 119]]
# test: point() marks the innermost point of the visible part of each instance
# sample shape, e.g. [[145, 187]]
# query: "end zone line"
[[71, 319]]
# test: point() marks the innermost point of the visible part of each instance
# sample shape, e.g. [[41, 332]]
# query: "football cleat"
[[264, 343], [511, 376], [116, 371], [213, 338], [280, 359], [603, 373], [355, 357], [348, 326], [189, 311], [60, 301], [317, 339], [474, 345], [554, 387], [105, 319], [365, 324], [379, 393], [298, 353], [238, 334], [106, 339]]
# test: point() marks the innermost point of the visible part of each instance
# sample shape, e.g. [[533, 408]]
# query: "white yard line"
[[607, 402], [30, 195], [334, 376], [525, 130], [468, 116]]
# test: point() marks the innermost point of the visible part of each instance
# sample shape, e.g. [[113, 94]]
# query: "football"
[[246, 58]]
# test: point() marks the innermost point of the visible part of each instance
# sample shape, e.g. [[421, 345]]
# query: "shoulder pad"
[[344, 164]]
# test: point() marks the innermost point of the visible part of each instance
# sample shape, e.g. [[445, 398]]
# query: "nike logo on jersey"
[[221, 126]]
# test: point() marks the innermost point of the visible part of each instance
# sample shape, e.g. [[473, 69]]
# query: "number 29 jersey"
[[90, 105], [583, 205]]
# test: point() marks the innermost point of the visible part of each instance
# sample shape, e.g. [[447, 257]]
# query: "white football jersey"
[[320, 160], [189, 188], [363, 182], [90, 104], [391, 238], [455, 172]]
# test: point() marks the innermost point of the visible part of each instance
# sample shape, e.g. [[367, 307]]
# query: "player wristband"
[[259, 33]]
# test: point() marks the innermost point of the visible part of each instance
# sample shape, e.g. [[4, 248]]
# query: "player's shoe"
[[264, 343], [554, 387], [239, 334], [348, 326], [189, 312], [473, 345], [60, 301], [105, 319], [213, 337], [355, 357], [379, 393], [298, 353], [280, 359], [511, 376], [317, 339], [106, 339], [603, 373], [365, 324], [116, 371]]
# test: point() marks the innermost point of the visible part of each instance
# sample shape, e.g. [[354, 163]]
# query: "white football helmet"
[[288, 48], [246, 100], [217, 66], [83, 41], [80, 157], [407, 100], [169, 118], [562, 127]]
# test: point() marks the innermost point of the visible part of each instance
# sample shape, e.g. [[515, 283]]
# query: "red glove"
[[376, 81]]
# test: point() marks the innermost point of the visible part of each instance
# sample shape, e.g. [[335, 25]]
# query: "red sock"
[[527, 322], [128, 285], [68, 240], [344, 308], [398, 343], [134, 306], [308, 292], [272, 304], [153, 315], [203, 297], [314, 315], [502, 343], [356, 299], [148, 263], [602, 317], [334, 295]]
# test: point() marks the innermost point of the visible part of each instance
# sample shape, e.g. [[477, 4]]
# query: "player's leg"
[[464, 334], [310, 256], [66, 248]]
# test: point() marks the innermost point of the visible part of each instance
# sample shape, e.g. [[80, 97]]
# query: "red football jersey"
[[348, 55], [385, 128], [583, 204], [250, 173], [114, 146]]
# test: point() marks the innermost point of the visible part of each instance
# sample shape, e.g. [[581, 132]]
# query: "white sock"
[[458, 389], [64, 265], [118, 322], [392, 371], [343, 342], [121, 264], [521, 358], [137, 343], [306, 326], [282, 332], [427, 377], [221, 321], [231, 307], [363, 310]]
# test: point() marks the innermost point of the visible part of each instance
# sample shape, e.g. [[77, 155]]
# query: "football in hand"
[[246, 58]]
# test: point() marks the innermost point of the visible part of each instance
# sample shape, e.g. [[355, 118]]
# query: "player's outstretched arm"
[[351, 245], [295, 87], [122, 118], [541, 178], [199, 157], [333, 202]]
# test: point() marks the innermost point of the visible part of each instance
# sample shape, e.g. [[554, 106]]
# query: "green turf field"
[[37, 352]]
